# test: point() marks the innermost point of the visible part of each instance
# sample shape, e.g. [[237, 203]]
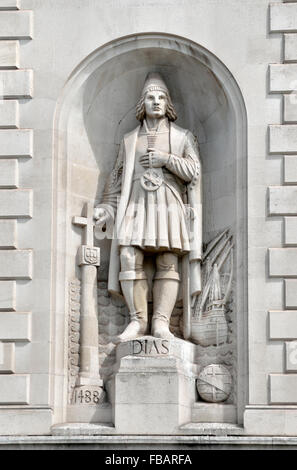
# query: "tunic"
[[155, 220], [184, 164]]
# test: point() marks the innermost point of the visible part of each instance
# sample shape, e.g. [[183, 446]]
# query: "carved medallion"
[[214, 383], [151, 180]]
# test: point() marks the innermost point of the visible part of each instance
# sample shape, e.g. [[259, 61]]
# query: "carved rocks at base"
[[113, 318]]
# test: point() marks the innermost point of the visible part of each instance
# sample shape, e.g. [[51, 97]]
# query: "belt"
[[151, 180]]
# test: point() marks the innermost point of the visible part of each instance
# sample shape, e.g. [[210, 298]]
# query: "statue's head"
[[155, 100]]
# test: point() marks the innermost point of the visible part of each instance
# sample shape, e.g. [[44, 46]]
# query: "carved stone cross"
[[89, 389], [88, 254], [86, 221]]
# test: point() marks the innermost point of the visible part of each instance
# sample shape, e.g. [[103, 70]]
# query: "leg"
[[165, 291], [135, 289]]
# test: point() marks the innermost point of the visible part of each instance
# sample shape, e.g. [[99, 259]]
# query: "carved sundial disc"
[[214, 383]]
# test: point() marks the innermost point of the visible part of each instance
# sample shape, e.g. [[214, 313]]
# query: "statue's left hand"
[[154, 159]]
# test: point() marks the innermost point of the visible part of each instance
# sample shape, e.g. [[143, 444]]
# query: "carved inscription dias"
[[150, 347], [146, 346]]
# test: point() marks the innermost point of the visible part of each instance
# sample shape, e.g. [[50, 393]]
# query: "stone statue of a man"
[[153, 196]]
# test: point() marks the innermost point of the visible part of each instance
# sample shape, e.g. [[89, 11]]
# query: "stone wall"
[[281, 208], [34, 291], [19, 373]]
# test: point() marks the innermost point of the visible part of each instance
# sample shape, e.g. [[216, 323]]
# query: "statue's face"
[[155, 103]]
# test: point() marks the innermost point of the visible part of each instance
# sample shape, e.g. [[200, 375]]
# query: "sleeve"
[[113, 185], [186, 167]]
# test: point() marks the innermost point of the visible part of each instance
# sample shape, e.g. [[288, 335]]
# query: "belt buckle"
[[151, 180]]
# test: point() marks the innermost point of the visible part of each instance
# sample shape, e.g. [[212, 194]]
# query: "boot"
[[165, 293], [135, 293]]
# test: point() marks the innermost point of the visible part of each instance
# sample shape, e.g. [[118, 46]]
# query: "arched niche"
[[97, 108]]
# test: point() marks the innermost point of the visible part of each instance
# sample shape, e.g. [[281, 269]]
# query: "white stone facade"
[[60, 64]]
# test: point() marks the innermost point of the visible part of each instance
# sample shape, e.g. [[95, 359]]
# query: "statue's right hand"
[[104, 223], [101, 216]]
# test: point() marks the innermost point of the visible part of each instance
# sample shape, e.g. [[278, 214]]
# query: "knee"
[[167, 266], [128, 258], [131, 264]]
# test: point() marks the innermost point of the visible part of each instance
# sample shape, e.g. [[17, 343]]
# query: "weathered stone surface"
[[268, 421], [136, 412], [291, 356], [15, 143], [16, 264], [15, 326], [7, 358], [7, 295], [291, 293], [283, 78], [283, 325], [290, 108], [9, 173], [290, 169], [9, 114], [16, 83], [283, 17], [21, 421], [283, 139], [9, 4], [14, 389], [16, 203], [54, 58], [291, 230], [8, 233], [117, 302], [282, 262], [102, 300], [282, 200], [9, 54], [213, 413], [290, 45], [16, 24], [283, 388], [103, 285]]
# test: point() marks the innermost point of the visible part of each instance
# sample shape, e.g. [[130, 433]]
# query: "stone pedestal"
[[153, 388]]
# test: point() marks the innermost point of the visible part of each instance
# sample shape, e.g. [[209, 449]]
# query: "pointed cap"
[[154, 82]]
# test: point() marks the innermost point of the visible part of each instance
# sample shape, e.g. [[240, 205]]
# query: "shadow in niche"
[[104, 92]]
